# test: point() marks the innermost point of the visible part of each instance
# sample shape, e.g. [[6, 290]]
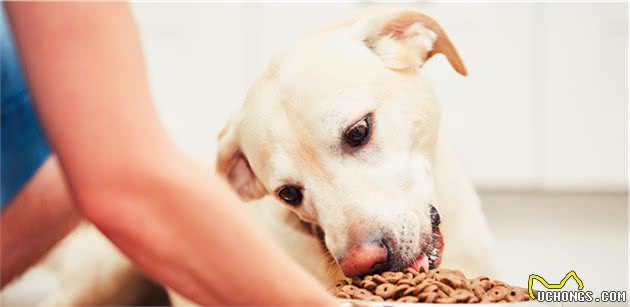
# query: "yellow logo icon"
[[547, 285]]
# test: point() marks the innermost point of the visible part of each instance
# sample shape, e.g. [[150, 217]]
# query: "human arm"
[[35, 220], [84, 65]]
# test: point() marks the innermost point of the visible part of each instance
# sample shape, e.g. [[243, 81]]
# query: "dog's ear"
[[406, 38], [233, 165]]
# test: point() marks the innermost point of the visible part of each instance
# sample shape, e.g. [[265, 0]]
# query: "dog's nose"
[[364, 258]]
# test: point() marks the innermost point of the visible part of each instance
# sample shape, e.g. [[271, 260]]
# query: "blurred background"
[[540, 124], [544, 107]]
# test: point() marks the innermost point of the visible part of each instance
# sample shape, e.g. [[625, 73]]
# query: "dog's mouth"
[[432, 249], [431, 257]]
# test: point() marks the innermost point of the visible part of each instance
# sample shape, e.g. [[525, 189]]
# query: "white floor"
[[550, 234]]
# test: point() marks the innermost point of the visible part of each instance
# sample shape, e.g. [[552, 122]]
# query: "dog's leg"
[[91, 271], [467, 237]]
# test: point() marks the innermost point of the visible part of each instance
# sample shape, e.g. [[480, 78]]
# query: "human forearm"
[[220, 250], [35, 220]]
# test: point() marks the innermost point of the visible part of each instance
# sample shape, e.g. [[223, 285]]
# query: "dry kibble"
[[517, 295], [431, 288], [498, 293], [406, 281], [393, 277], [427, 297], [453, 281], [399, 290], [461, 295], [479, 291], [486, 284], [441, 286], [417, 279], [340, 283], [379, 279], [350, 289], [411, 271], [342, 295], [412, 291], [444, 287], [470, 283], [363, 293], [368, 284], [425, 284], [441, 294], [385, 290]]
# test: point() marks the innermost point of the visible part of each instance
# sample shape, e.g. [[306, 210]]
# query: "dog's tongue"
[[421, 262]]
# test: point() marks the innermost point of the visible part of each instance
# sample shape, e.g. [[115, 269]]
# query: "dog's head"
[[341, 128]]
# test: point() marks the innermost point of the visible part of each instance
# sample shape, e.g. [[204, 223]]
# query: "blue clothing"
[[24, 147]]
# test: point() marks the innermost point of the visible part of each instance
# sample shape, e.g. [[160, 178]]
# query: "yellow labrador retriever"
[[339, 152], [340, 137]]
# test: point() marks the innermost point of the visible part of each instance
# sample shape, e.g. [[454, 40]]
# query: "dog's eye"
[[358, 134], [292, 195]]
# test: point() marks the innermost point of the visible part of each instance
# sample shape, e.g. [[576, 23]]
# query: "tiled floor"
[[550, 234]]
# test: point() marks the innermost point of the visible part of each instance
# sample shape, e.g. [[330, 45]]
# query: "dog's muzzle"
[[430, 258]]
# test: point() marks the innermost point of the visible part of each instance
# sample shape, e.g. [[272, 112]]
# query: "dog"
[[340, 137], [339, 153]]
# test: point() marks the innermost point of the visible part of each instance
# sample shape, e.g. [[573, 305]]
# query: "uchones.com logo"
[[558, 293]]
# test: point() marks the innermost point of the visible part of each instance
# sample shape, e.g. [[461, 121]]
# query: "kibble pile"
[[436, 286]]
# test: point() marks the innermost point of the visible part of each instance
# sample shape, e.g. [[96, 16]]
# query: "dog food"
[[436, 286]]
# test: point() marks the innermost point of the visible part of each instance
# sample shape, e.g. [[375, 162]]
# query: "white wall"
[[545, 105]]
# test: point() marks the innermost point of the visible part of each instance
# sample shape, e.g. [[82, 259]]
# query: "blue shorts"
[[24, 147]]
